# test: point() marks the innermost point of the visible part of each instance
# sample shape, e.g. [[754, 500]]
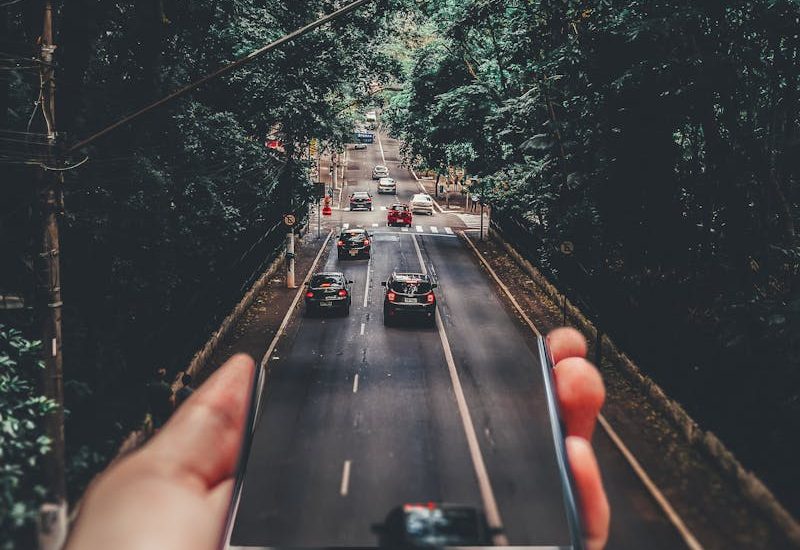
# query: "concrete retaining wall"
[[751, 487]]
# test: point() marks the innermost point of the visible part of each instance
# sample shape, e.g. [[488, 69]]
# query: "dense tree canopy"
[[661, 138]]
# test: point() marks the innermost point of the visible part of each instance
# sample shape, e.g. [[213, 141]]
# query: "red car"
[[399, 214]]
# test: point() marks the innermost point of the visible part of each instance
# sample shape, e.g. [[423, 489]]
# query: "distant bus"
[[365, 137]]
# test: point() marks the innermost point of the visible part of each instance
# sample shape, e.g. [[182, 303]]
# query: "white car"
[[387, 185], [379, 172], [422, 203]]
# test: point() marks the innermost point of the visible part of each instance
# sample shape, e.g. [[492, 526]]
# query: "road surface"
[[358, 418]]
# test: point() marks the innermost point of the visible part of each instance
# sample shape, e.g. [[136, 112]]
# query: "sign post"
[[289, 220]]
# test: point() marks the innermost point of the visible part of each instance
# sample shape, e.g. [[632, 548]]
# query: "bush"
[[22, 438]]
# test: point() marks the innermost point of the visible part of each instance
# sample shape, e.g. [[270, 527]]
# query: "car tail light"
[[391, 296], [340, 243], [369, 200], [343, 292], [431, 298], [366, 241], [309, 294]]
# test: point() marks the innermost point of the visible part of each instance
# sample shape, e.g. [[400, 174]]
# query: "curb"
[[752, 488]]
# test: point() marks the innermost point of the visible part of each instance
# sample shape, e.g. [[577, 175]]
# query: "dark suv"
[[359, 200], [409, 295], [328, 291], [353, 243]]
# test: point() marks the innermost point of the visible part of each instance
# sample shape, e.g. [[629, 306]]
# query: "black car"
[[434, 525], [360, 200], [328, 291], [409, 295], [354, 243]]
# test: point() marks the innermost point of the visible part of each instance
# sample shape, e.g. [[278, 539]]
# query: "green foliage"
[[173, 216], [22, 439]]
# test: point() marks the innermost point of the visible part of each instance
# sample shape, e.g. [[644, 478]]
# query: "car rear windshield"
[[438, 527], [422, 198], [354, 233], [400, 207], [411, 286], [360, 195], [319, 281]]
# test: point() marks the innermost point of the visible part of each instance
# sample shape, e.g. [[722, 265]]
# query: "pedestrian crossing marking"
[[383, 208], [374, 225], [448, 230], [434, 229], [404, 229], [419, 229], [345, 225]]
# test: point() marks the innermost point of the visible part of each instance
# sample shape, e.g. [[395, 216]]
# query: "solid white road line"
[[380, 144], [366, 284], [265, 359], [434, 229], [355, 382], [484, 484], [419, 229], [345, 479], [654, 491], [448, 230]]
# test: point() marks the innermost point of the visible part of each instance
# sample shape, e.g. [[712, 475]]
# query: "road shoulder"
[[707, 500]]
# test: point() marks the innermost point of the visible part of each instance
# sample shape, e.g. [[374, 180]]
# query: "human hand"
[[174, 492], [581, 394]]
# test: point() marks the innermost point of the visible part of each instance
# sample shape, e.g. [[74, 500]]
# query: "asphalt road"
[[358, 418]]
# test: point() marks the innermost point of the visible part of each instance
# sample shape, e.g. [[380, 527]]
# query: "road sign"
[[567, 248], [289, 220], [319, 190]]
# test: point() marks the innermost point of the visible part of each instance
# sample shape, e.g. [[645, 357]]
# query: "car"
[[353, 243], [399, 214], [434, 525], [387, 185], [379, 172], [409, 295], [422, 203], [360, 200], [328, 291], [360, 146]]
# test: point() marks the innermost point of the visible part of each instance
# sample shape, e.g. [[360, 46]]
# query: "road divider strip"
[[481, 473], [691, 541], [345, 486]]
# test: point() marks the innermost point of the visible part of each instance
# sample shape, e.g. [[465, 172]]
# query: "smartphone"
[[570, 491], [259, 377], [429, 511]]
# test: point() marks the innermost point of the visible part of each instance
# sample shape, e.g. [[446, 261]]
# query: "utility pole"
[[53, 515]]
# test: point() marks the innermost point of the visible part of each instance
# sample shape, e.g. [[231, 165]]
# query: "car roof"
[[360, 192], [353, 230], [423, 195], [381, 166], [329, 274]]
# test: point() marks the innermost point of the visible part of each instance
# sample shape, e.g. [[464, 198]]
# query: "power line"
[[222, 71]]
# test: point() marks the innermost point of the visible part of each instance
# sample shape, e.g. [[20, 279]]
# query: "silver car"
[[379, 172], [422, 203], [387, 185]]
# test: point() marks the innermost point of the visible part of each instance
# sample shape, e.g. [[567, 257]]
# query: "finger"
[[581, 394], [566, 342], [595, 511], [204, 437]]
